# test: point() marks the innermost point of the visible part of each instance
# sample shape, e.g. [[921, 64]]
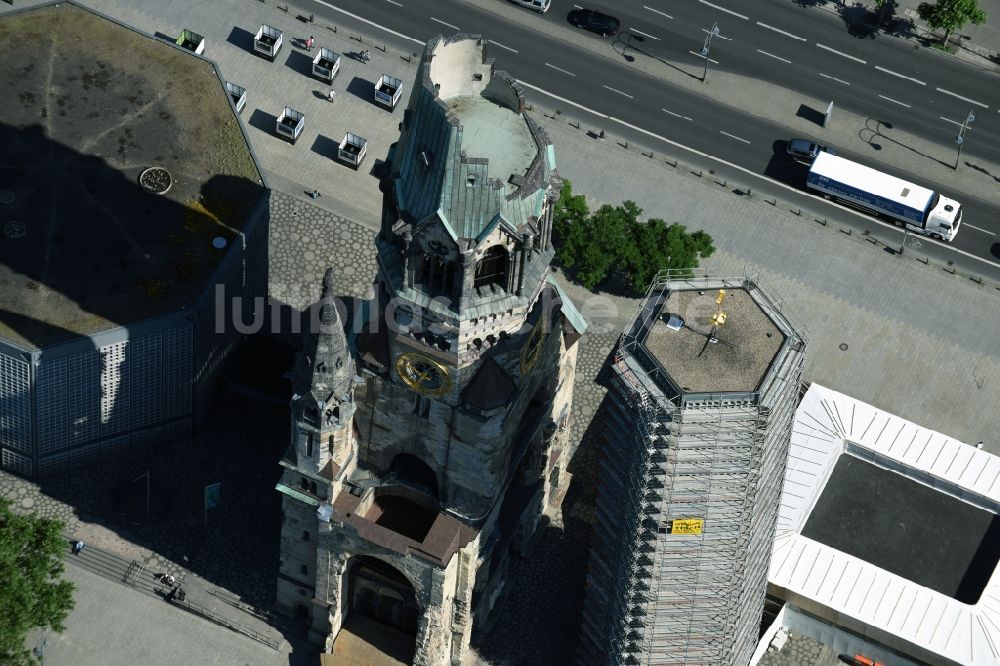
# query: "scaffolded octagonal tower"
[[704, 389]]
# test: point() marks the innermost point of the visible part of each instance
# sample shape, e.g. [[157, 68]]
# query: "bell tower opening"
[[492, 268]]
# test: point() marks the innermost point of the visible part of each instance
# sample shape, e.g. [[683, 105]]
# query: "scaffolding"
[[657, 597]]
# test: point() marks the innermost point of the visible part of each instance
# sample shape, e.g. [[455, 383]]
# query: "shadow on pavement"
[[324, 146], [300, 62], [541, 617], [241, 39], [362, 88], [263, 121]]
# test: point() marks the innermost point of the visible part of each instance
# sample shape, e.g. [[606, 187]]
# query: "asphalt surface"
[[815, 53], [592, 87]]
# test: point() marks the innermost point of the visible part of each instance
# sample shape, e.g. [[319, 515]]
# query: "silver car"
[[540, 6], [804, 149]]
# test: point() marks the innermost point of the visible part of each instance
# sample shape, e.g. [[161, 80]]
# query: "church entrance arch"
[[380, 592]]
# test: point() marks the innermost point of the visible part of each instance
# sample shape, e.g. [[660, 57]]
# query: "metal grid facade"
[[660, 598]]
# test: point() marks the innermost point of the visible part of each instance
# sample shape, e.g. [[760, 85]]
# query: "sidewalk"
[[980, 44]]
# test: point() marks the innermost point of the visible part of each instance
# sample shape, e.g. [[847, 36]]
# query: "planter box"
[[326, 64], [388, 90], [267, 42], [238, 94], [352, 150], [290, 124], [191, 41]]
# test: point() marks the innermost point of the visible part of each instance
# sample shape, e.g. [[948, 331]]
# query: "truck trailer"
[[922, 210]]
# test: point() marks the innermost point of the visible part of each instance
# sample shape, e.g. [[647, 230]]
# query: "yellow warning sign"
[[687, 526]]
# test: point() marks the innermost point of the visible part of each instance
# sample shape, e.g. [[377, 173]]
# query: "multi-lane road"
[[771, 40]]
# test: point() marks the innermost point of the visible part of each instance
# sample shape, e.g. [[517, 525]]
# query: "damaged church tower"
[[446, 451]]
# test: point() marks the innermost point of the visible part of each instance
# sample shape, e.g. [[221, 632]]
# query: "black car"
[[804, 149], [594, 21]]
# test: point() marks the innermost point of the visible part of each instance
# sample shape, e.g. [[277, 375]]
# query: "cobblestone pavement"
[[801, 651]]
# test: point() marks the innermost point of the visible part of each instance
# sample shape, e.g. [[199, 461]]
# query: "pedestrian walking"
[[366, 56], [309, 43], [330, 95], [77, 547]]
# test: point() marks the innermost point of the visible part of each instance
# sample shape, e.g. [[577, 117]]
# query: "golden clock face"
[[532, 349], [422, 373]]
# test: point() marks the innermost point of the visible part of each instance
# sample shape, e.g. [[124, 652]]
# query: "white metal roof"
[[927, 624], [869, 180]]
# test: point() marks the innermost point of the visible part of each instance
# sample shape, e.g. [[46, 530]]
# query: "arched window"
[[492, 268], [436, 275]]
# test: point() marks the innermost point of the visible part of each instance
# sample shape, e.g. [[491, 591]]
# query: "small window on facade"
[[304, 570], [470, 181], [310, 441], [304, 483], [305, 535]]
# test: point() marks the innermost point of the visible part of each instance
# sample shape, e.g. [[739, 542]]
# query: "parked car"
[[540, 6], [804, 149], [595, 21]]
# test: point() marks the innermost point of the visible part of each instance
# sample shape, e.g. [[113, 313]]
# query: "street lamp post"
[[960, 139], [708, 47]]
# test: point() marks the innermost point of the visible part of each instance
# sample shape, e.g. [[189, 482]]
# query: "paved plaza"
[[908, 338]]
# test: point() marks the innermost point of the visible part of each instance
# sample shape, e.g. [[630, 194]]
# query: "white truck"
[[922, 210]]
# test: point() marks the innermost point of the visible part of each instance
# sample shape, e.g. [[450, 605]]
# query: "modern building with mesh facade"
[[133, 216], [703, 394]]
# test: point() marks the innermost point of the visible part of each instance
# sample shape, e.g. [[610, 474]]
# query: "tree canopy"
[[612, 238], [32, 593], [950, 15]]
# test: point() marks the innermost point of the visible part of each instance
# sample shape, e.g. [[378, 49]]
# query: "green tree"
[[613, 238], [31, 592], [950, 15], [569, 221]]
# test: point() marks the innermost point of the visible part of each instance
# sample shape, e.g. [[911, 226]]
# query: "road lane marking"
[[454, 27], [902, 76], [371, 23], [840, 53], [559, 69], [895, 101], [786, 34], [774, 56], [716, 62], [964, 99], [619, 92], [675, 114], [502, 46], [949, 120], [733, 136], [644, 34], [834, 78], [398, 4], [657, 11], [723, 9], [888, 226], [978, 229]]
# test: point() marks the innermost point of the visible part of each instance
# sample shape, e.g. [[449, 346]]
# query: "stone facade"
[[418, 468]]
